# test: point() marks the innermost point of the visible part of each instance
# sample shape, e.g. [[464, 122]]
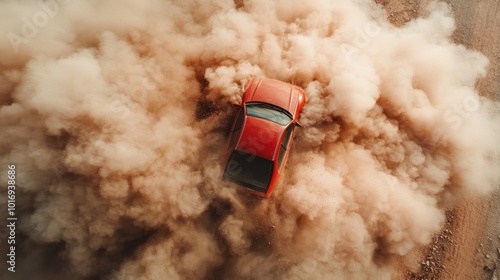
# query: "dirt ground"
[[468, 247]]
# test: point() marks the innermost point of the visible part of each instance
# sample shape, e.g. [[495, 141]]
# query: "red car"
[[262, 133]]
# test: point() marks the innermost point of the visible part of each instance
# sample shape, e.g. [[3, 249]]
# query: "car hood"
[[274, 92], [260, 137]]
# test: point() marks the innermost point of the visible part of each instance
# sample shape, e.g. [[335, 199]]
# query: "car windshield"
[[269, 112], [248, 170]]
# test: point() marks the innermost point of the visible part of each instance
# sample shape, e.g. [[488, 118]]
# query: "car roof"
[[260, 137]]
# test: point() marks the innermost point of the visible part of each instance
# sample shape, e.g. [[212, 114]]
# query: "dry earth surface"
[[468, 247]]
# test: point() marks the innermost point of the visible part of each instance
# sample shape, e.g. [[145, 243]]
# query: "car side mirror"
[[236, 104], [298, 124]]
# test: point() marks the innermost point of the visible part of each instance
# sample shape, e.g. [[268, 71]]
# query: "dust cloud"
[[115, 113]]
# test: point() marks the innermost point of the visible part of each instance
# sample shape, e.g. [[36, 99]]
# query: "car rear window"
[[249, 170]]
